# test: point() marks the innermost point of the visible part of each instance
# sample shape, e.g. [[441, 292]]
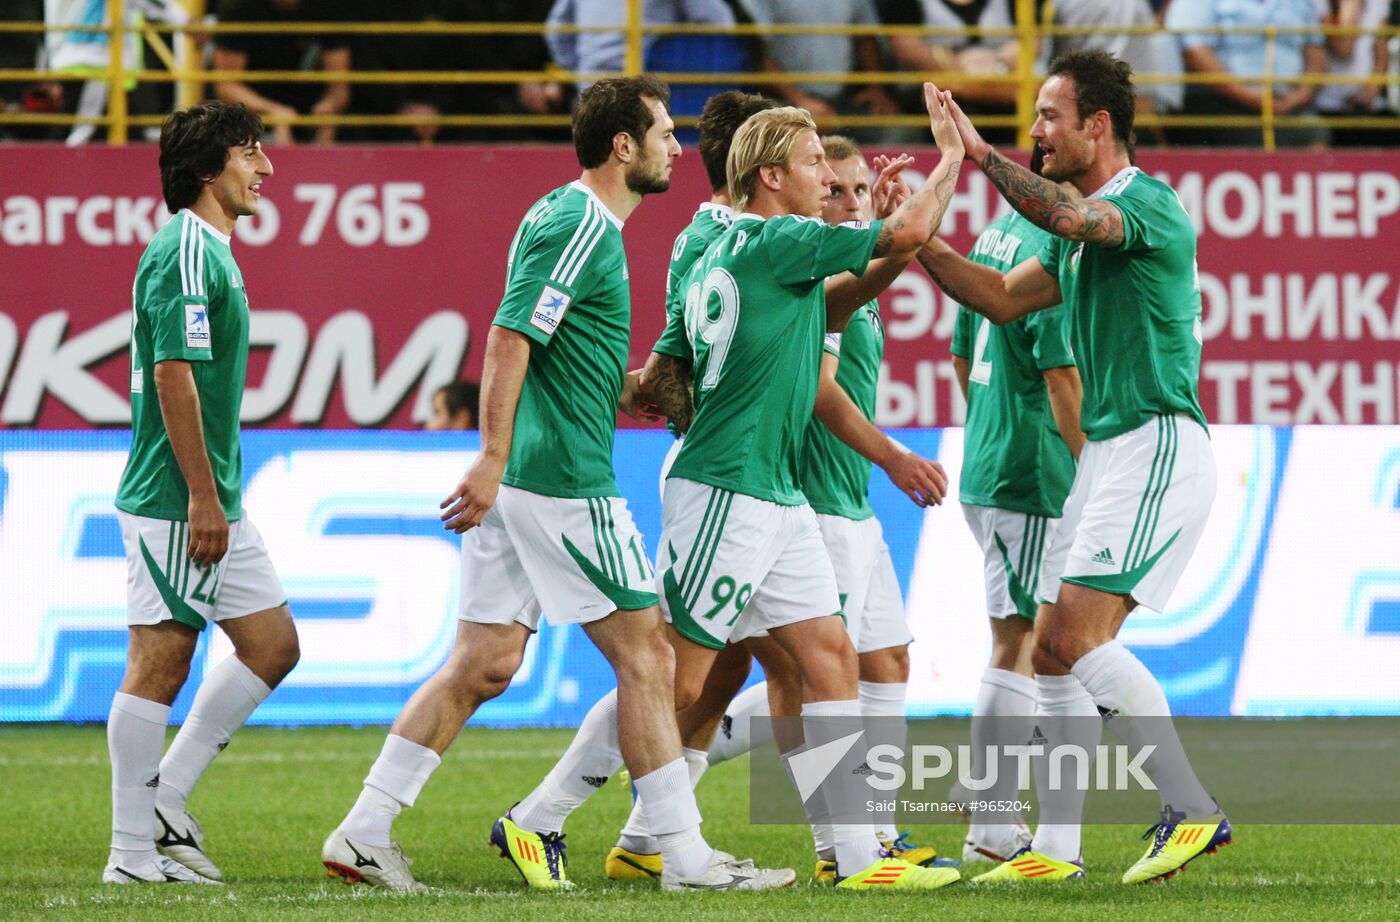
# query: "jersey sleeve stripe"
[[184, 268], [199, 262], [596, 230], [585, 228]]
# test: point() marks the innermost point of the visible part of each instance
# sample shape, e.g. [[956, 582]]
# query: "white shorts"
[[670, 459], [575, 560], [731, 566], [1013, 552], [870, 595], [163, 584], [1135, 514]]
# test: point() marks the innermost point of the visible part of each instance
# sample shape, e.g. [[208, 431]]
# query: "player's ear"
[[771, 176], [1098, 124], [624, 147]]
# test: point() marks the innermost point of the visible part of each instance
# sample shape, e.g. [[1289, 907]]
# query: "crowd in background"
[[1151, 50]]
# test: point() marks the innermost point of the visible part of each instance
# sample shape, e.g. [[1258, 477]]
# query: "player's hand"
[[889, 190], [920, 479], [945, 111], [208, 531], [634, 402], [474, 496]]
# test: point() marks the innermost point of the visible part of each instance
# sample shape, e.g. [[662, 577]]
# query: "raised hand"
[[889, 190], [973, 144], [947, 133]]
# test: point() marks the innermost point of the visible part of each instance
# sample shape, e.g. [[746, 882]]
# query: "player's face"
[[238, 187], [1060, 132], [650, 171], [442, 417], [850, 194], [807, 177]]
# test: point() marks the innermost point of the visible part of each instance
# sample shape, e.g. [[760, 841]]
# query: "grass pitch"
[[268, 802]]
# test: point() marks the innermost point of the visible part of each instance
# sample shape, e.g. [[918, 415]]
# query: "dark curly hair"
[[1101, 82], [194, 146], [611, 106], [722, 116]]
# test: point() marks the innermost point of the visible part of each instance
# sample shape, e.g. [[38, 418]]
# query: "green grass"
[[269, 801]]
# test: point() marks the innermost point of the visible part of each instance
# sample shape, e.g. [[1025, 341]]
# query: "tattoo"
[[671, 390], [886, 238], [1046, 205], [942, 193]]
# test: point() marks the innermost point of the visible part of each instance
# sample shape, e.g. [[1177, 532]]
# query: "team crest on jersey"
[[549, 310], [196, 326]]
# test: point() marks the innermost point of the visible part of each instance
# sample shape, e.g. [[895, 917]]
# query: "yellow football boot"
[[825, 872], [898, 874], [1176, 841], [539, 858], [1031, 867], [625, 865]]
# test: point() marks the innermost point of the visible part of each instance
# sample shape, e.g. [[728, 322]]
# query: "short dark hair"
[[194, 145], [462, 395], [1101, 81], [611, 106], [722, 116]]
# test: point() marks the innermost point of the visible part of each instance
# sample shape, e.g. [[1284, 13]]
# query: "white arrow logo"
[[811, 766]]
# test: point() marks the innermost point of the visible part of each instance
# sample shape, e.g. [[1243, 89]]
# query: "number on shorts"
[[200, 594], [716, 332], [724, 591], [981, 366]]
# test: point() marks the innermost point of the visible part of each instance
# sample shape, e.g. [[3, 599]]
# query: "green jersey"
[[566, 289], [836, 477], [710, 221], [188, 305], [1136, 310], [754, 319], [1013, 454]]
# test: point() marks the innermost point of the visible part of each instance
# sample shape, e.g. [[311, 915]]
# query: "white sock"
[[854, 844], [673, 817], [1138, 713], [636, 836], [227, 696], [593, 755], [1065, 715], [1001, 717], [135, 737], [394, 782], [739, 732], [885, 702]]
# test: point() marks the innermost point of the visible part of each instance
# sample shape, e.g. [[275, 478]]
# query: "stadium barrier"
[[374, 273], [1290, 607], [184, 65]]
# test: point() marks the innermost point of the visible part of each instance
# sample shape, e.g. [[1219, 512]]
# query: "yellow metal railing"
[[192, 77]]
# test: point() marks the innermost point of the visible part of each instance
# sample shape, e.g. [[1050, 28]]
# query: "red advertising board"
[[373, 274]]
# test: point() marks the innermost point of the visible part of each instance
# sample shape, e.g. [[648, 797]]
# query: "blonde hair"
[[840, 147], [766, 139]]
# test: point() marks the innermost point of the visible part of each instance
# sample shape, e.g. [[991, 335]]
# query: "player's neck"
[[208, 209], [721, 197], [610, 185], [765, 204], [1103, 169]]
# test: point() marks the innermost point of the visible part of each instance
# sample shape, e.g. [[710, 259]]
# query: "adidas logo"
[[595, 781], [154, 782], [1104, 556], [726, 726], [223, 745], [1038, 738], [863, 769], [1107, 713]]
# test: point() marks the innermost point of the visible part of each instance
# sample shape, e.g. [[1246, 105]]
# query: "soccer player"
[[1123, 262], [841, 448], [455, 407], [741, 549], [545, 527], [191, 555], [1019, 447]]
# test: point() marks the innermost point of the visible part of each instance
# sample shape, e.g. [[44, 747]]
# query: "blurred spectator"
[[971, 54], [1356, 56], [88, 53], [1245, 55], [591, 52], [19, 51], [455, 406], [1147, 53], [823, 53], [286, 51]]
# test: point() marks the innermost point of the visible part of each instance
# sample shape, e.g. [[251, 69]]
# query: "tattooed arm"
[[666, 382], [916, 220], [1046, 205], [1000, 298]]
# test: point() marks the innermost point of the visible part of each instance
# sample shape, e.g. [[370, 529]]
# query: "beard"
[[646, 179]]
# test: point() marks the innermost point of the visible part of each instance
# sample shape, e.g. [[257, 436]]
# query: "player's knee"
[[285, 655], [489, 682], [1043, 660], [1065, 646], [160, 683], [648, 660]]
